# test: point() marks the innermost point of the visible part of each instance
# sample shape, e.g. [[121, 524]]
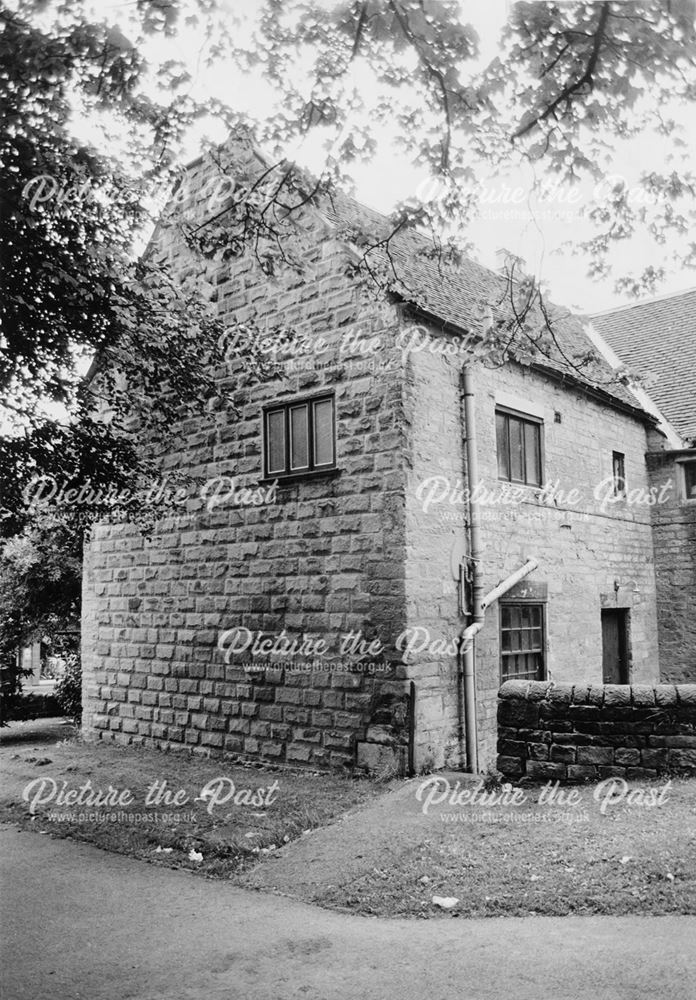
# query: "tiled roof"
[[657, 339], [459, 295]]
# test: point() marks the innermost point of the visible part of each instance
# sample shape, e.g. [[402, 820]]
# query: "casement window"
[[519, 445], [689, 470], [618, 471], [521, 642], [299, 437]]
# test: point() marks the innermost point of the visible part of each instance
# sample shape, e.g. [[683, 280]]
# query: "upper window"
[[618, 471], [522, 642], [689, 480], [519, 447], [299, 437]]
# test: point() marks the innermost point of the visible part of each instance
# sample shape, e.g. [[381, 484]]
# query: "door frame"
[[623, 616]]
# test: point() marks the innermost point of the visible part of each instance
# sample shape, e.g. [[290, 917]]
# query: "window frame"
[[523, 603], [523, 418], [619, 481], [286, 407], [684, 463]]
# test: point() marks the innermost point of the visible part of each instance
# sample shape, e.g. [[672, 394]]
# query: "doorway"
[[615, 646]]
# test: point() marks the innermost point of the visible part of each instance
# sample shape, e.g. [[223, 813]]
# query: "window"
[[519, 447], [689, 480], [618, 471], [522, 642], [299, 437]]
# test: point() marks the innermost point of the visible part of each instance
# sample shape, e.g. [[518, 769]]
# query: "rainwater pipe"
[[466, 640], [479, 602]]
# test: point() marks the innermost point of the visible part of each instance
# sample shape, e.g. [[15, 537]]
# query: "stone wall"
[[674, 532], [586, 732], [434, 544], [323, 558], [592, 554]]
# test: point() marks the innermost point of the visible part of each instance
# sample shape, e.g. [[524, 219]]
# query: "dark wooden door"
[[614, 646]]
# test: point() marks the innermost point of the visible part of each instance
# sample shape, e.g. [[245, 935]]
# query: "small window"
[[518, 441], [522, 642], [689, 480], [618, 467], [299, 437]]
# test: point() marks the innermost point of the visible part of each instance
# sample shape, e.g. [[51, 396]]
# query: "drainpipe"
[[467, 648], [479, 602]]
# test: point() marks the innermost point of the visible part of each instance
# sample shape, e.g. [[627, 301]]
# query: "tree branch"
[[572, 88], [435, 73]]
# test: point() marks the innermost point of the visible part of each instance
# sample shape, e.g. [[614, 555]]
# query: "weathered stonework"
[[324, 559], [580, 732], [355, 550], [589, 556], [674, 532]]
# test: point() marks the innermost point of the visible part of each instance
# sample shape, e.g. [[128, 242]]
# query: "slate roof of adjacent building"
[[657, 339]]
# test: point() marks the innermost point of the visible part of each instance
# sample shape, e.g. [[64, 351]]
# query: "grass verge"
[[537, 859], [635, 856], [183, 811]]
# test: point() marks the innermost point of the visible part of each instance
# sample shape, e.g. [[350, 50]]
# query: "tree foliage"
[[40, 584], [569, 81], [75, 291], [73, 287]]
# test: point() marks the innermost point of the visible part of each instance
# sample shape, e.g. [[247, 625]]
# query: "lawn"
[[538, 858], [374, 849], [175, 809]]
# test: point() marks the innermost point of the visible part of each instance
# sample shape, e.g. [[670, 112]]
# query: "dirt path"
[[362, 840], [81, 924]]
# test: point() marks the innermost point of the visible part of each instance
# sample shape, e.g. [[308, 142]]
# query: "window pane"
[[275, 432], [690, 477], [502, 446], [323, 432], [532, 434], [516, 450], [299, 439], [522, 641], [619, 473]]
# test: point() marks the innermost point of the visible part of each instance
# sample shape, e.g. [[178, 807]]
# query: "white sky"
[[535, 230]]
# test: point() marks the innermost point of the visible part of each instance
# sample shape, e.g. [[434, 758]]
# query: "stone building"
[[657, 340], [320, 601]]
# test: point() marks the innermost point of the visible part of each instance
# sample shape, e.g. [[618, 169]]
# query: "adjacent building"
[[657, 340]]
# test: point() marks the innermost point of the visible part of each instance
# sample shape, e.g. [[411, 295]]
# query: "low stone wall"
[[581, 732]]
